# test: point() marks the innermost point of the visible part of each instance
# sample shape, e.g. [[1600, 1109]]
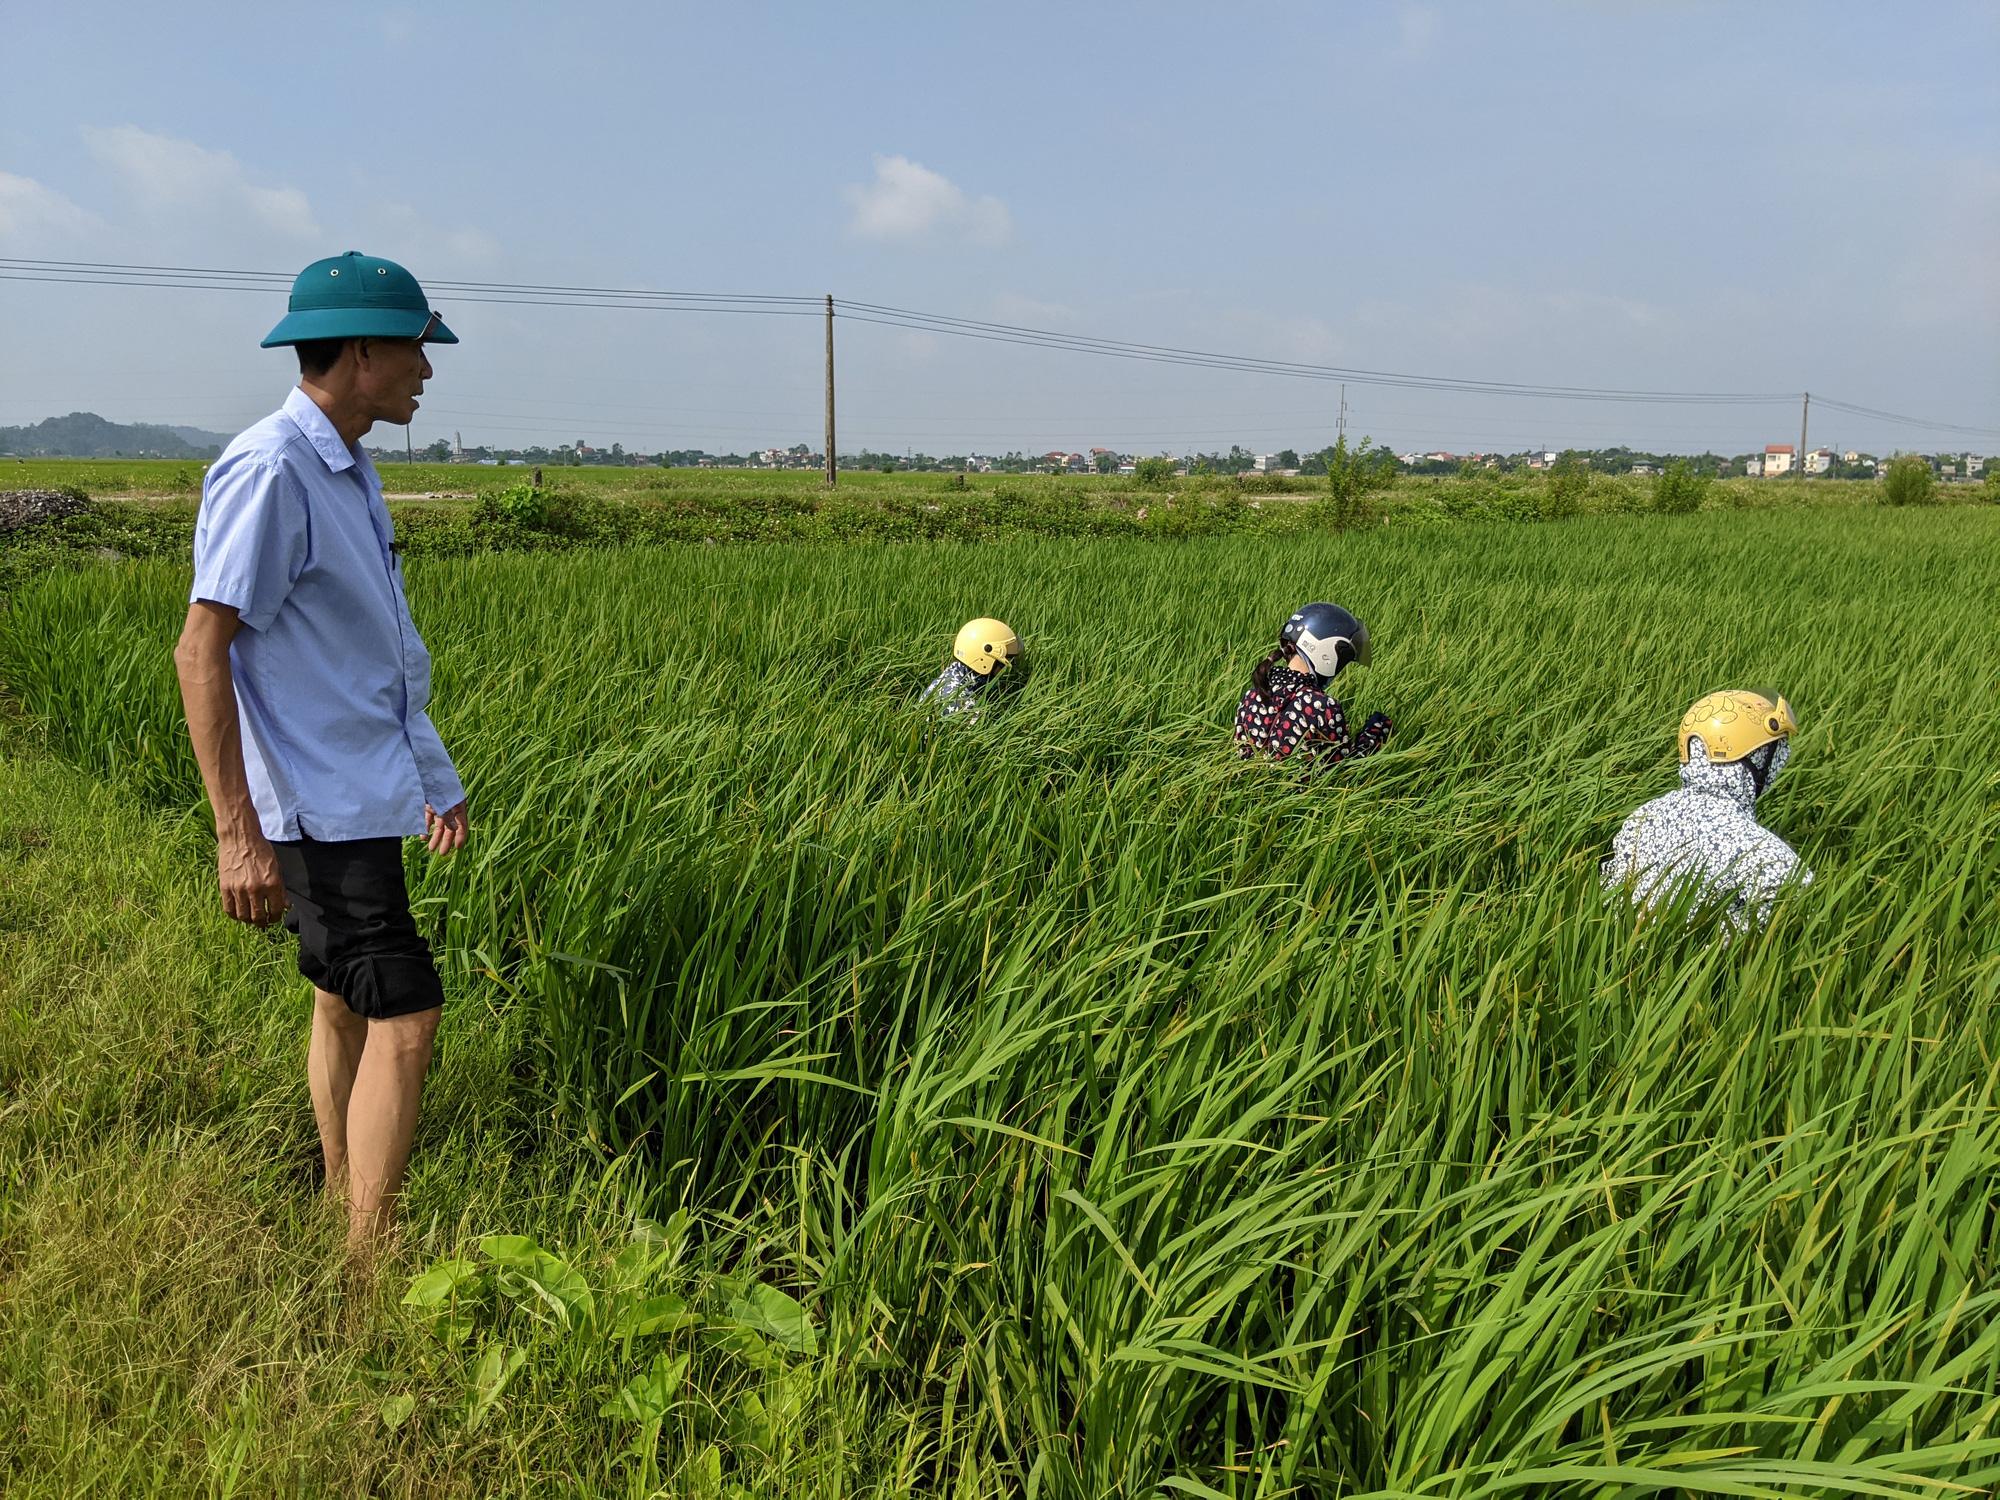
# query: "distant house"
[[1645, 468], [1265, 463], [1819, 461], [1851, 456], [1778, 459], [1753, 467]]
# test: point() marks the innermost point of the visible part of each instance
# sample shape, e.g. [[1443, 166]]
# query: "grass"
[[147, 508], [171, 1322], [1118, 1116]]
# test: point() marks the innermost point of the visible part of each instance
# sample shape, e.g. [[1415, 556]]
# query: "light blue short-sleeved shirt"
[[331, 677]]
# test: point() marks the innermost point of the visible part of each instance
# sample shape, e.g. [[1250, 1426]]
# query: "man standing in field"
[[305, 685]]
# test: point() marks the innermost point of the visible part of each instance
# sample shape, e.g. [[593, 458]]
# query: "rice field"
[[1135, 1121]]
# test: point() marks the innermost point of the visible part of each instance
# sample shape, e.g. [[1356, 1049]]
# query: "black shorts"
[[351, 913]]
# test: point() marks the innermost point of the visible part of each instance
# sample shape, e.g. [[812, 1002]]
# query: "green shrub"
[[1563, 491], [1351, 476], [1153, 473], [1909, 481], [524, 505], [1679, 490]]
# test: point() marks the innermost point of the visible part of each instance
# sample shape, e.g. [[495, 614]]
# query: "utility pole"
[[1340, 428], [829, 391], [409, 453], [1805, 407]]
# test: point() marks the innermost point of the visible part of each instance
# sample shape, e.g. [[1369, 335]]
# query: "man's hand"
[[445, 831], [252, 890]]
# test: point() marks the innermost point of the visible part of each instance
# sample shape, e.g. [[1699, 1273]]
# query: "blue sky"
[[1682, 196]]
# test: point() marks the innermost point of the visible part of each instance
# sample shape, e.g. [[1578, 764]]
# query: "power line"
[[283, 279], [1889, 416], [1169, 353], [1246, 365], [538, 294], [534, 294], [446, 297]]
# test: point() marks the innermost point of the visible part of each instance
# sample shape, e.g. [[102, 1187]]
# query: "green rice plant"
[[1132, 1118]]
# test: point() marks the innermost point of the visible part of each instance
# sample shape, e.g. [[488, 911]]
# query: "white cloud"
[[31, 213], [908, 201], [404, 234], [178, 179]]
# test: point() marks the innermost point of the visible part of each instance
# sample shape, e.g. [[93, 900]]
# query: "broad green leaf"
[[662, 1314], [549, 1285], [648, 1397], [441, 1282], [496, 1369], [750, 1423], [509, 1249], [776, 1315]]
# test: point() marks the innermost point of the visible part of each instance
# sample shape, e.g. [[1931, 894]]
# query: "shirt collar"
[[309, 419]]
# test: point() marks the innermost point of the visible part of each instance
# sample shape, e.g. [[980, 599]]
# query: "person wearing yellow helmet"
[[1733, 744], [986, 655]]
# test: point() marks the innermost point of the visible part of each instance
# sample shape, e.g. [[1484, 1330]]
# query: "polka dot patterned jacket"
[[1296, 718], [1707, 834]]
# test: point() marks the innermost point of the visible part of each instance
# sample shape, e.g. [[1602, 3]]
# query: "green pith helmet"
[[356, 296]]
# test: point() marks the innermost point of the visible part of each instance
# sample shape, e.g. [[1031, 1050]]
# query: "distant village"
[[1775, 461]]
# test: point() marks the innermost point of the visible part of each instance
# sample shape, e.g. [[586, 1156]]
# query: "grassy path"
[[169, 1320]]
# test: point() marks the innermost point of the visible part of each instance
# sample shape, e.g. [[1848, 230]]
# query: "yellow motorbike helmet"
[[1733, 723], [986, 646]]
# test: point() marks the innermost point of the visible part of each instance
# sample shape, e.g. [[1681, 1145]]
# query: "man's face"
[[391, 376]]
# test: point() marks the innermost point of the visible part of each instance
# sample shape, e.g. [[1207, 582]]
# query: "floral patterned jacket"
[[1707, 834]]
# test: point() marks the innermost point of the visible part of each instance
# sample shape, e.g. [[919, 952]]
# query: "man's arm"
[[246, 869]]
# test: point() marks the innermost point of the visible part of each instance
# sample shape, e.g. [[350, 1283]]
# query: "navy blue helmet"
[[1326, 636]]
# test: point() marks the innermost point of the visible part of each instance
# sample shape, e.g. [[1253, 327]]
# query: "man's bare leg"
[[382, 1120], [338, 1036]]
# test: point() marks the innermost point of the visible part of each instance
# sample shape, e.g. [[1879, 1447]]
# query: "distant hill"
[[84, 434]]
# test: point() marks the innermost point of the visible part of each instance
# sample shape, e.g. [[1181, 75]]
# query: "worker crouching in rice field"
[[305, 686], [1733, 745], [987, 660], [1287, 714]]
